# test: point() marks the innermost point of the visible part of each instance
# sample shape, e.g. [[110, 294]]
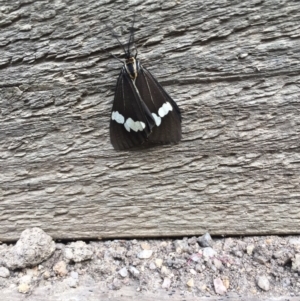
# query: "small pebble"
[[205, 240], [74, 275], [263, 283], [78, 251], [195, 257], [296, 263], [145, 254], [158, 262], [123, 272], [181, 246], [152, 266], [4, 272], [226, 282], [250, 249], [217, 263], [117, 284], [167, 283], [190, 283], [208, 252], [134, 271], [23, 288], [163, 244], [60, 268], [126, 281], [46, 275], [72, 282], [145, 246], [219, 286], [165, 271]]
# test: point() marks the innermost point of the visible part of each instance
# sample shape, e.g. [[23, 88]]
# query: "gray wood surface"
[[232, 67]]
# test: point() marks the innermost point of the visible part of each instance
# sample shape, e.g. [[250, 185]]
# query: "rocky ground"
[[264, 268]]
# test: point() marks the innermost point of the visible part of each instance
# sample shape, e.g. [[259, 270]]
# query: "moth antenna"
[[136, 51], [131, 38], [116, 58], [116, 36]]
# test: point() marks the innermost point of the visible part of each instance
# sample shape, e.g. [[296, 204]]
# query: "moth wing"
[[159, 102], [131, 122]]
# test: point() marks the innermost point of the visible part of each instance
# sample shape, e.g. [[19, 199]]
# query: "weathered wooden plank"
[[232, 67]]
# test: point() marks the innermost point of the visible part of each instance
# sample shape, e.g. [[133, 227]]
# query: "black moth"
[[142, 112]]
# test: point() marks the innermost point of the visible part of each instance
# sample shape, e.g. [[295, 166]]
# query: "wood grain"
[[232, 67]]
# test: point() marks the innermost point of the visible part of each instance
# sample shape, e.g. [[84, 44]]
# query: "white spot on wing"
[[127, 126], [117, 117], [134, 125], [157, 119], [165, 109]]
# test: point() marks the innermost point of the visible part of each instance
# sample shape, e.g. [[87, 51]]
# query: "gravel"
[[261, 267]]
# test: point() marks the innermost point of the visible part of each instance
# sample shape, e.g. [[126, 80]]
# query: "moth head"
[[132, 66]]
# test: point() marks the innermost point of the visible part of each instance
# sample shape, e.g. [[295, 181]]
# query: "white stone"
[[250, 249], [296, 263], [145, 254], [46, 275], [78, 251], [263, 283], [219, 286], [74, 275], [209, 252], [166, 283], [123, 272], [152, 266], [158, 262], [23, 288], [165, 271], [4, 272], [195, 257], [190, 283]]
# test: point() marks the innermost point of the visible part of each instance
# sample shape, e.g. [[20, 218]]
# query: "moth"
[[142, 111]]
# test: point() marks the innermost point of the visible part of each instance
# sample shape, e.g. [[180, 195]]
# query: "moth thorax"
[[132, 67]]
